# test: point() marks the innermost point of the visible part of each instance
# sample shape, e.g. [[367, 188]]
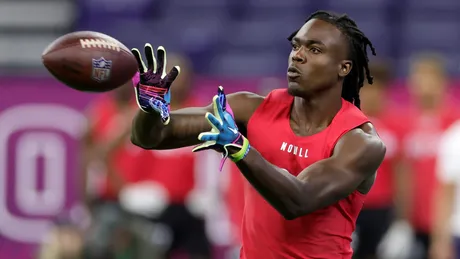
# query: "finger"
[[205, 146], [215, 123], [167, 96], [140, 62], [172, 75], [161, 55], [208, 136], [215, 104], [151, 61], [224, 97], [225, 106], [218, 103], [220, 90]]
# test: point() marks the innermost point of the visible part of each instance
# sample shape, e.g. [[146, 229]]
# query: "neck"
[[316, 113]]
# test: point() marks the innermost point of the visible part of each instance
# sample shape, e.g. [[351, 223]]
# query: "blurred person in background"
[[234, 198], [388, 196], [64, 241], [179, 172], [423, 124], [445, 239], [108, 163]]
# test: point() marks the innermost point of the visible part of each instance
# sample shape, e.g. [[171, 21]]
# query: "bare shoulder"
[[361, 149], [245, 97], [244, 104]]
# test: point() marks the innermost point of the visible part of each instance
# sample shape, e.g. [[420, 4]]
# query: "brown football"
[[89, 61]]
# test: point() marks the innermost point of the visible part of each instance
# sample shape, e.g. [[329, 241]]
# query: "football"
[[89, 61]]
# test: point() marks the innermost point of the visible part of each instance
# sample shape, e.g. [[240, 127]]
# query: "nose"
[[298, 57]]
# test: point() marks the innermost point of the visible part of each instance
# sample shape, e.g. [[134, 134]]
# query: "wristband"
[[243, 152]]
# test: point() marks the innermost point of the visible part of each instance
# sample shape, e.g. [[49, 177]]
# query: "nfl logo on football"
[[101, 69]]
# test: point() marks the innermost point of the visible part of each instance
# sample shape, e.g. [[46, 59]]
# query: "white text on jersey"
[[295, 150]]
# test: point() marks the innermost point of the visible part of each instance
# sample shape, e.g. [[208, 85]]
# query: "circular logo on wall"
[[37, 159]]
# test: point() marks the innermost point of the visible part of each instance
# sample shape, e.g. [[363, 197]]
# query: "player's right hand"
[[224, 136], [152, 85]]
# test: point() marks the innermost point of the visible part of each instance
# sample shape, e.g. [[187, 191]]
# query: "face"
[[427, 83], [318, 59]]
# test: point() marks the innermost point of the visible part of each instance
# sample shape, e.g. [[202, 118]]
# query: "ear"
[[345, 68]]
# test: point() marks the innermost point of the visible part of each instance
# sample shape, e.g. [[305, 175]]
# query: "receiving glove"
[[152, 83], [224, 133]]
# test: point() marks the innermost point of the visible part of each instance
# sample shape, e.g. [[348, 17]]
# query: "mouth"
[[293, 72]]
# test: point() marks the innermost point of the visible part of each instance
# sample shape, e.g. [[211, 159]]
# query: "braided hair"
[[358, 43]]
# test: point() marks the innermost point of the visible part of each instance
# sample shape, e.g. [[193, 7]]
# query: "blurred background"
[[72, 186]]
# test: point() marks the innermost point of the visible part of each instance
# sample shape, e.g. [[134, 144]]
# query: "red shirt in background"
[[174, 169], [422, 133], [382, 192], [103, 115], [235, 199]]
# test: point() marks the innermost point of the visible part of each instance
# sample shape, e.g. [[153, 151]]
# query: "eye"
[[315, 50], [295, 46]]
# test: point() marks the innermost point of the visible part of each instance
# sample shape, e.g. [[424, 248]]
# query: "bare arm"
[[356, 157], [443, 212], [447, 172], [186, 124], [402, 189], [86, 143], [401, 178]]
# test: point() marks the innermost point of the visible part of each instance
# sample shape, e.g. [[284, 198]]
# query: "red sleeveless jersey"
[[325, 233], [381, 195]]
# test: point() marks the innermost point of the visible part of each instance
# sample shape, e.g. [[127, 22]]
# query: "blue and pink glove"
[[224, 133], [152, 83]]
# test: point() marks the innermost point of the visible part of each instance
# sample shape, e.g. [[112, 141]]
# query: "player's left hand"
[[224, 136]]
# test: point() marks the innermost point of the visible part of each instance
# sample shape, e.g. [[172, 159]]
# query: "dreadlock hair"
[[358, 43]]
